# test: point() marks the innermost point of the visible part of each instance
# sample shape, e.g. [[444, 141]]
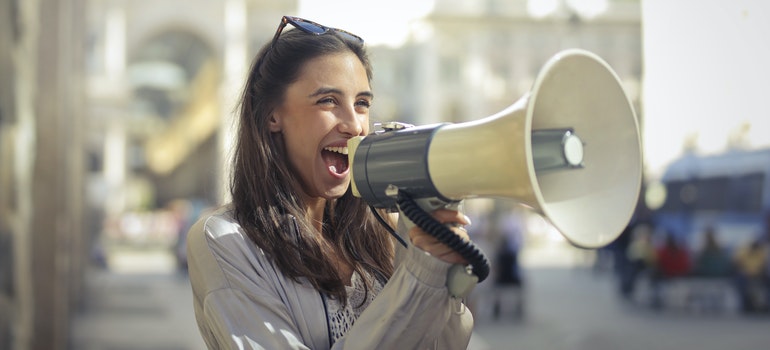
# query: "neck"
[[315, 211]]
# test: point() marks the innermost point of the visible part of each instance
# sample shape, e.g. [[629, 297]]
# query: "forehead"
[[338, 69]]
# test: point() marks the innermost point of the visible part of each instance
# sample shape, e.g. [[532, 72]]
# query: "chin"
[[334, 194], [337, 192]]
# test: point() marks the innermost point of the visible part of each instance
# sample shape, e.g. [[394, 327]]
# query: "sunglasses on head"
[[311, 27]]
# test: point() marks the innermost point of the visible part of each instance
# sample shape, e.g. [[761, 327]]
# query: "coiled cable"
[[444, 234]]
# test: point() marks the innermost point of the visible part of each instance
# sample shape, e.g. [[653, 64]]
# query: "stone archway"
[[174, 79]]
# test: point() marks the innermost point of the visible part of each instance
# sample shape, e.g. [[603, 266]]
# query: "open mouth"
[[336, 159]]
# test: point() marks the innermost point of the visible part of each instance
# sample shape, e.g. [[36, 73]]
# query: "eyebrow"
[[327, 90]]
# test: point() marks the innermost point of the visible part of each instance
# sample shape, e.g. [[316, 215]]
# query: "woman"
[[296, 261]]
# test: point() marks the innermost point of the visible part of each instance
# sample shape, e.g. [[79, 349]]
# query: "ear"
[[275, 123]]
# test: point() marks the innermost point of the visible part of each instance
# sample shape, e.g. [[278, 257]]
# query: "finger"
[[420, 237], [453, 258], [436, 248], [462, 232], [443, 252], [445, 216]]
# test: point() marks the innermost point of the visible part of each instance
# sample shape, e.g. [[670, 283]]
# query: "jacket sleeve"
[[413, 311]]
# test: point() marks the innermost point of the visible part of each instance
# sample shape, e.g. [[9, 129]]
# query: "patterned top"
[[342, 318]]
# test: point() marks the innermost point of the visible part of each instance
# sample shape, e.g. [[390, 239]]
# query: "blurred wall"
[[41, 178], [79, 127], [8, 35], [467, 60]]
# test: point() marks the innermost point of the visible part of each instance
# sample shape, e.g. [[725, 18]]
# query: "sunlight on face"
[[327, 105]]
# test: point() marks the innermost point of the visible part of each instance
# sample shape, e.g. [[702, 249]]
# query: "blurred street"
[[142, 302], [576, 309], [567, 307]]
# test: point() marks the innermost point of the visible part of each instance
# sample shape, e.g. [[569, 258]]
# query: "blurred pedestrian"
[[672, 260], [508, 278], [751, 277], [766, 241], [641, 257], [481, 232], [712, 260]]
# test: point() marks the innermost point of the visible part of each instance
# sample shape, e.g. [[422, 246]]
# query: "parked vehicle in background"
[[727, 192], [715, 207]]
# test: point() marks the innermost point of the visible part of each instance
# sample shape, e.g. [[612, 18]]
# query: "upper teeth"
[[341, 150]]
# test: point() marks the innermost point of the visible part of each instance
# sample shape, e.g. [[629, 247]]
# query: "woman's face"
[[326, 106]]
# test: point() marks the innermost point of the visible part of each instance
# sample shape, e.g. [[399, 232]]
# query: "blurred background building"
[[116, 117]]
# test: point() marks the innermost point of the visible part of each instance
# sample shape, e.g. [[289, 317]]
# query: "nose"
[[352, 122]]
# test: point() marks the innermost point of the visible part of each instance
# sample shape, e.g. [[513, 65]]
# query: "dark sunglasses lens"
[[350, 37], [310, 27]]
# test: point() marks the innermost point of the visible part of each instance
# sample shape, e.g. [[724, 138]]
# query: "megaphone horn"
[[570, 149]]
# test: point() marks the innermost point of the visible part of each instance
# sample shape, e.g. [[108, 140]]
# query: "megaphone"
[[569, 149]]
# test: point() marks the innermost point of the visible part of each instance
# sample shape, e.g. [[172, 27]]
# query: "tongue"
[[337, 163]]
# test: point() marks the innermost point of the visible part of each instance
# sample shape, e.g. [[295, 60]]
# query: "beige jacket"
[[242, 300]]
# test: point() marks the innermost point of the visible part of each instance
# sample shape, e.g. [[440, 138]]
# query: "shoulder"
[[219, 233], [216, 228], [235, 283], [222, 257], [221, 254], [217, 222]]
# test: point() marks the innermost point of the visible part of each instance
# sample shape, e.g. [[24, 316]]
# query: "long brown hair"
[[264, 189]]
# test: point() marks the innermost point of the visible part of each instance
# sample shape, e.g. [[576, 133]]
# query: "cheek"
[[300, 147], [302, 142], [367, 125]]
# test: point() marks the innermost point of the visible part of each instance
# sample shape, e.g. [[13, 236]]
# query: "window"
[[745, 193], [737, 194]]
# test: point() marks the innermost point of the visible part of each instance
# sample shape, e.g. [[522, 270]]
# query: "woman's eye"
[[326, 100], [364, 103]]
